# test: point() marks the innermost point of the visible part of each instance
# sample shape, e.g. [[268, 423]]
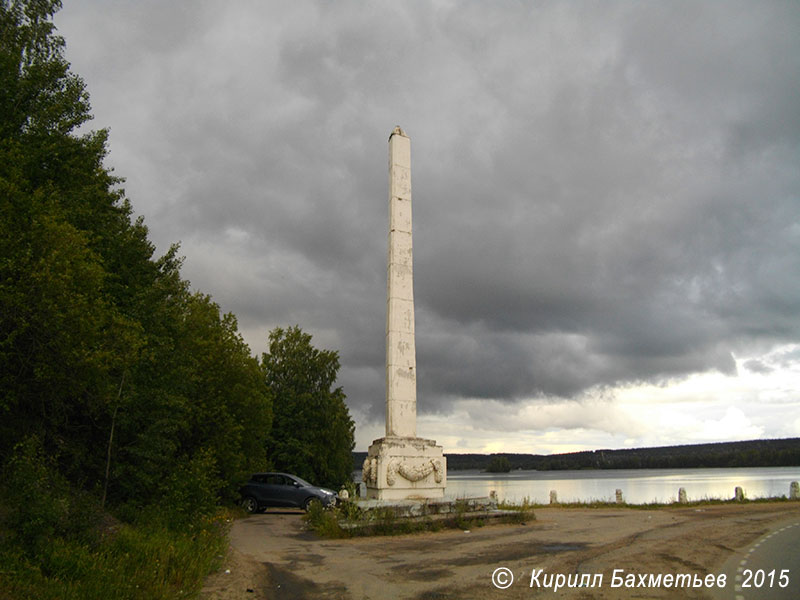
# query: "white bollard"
[[738, 494], [620, 500], [682, 496], [553, 497], [794, 491]]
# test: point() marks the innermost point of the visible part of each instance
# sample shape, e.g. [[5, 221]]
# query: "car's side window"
[[274, 479]]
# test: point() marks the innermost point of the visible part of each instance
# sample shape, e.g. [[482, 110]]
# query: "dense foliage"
[[121, 391], [124, 376], [312, 435], [55, 542]]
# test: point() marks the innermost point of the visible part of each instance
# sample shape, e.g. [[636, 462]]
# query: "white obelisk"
[[401, 359], [402, 466]]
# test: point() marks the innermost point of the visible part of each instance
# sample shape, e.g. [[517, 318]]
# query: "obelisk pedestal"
[[402, 466]]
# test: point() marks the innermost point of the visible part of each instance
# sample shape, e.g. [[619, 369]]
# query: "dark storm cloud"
[[634, 212], [603, 193]]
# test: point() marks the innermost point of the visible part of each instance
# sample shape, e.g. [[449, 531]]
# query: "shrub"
[[39, 504], [324, 521], [190, 492]]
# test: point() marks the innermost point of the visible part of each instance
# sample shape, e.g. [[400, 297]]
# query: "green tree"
[[312, 432], [64, 340], [196, 391], [126, 378], [499, 464], [38, 94]]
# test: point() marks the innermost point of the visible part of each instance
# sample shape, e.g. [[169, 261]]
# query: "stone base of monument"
[[465, 509], [405, 468]]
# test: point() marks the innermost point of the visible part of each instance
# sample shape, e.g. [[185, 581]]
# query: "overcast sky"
[[606, 199]]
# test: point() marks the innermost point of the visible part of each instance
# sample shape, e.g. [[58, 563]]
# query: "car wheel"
[[250, 504], [309, 501]]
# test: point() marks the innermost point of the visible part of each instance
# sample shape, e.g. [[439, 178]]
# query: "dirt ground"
[[272, 556]]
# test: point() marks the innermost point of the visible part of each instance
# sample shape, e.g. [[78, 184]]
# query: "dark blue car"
[[282, 489]]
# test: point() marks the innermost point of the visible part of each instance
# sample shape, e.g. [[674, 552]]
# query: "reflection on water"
[[639, 486]]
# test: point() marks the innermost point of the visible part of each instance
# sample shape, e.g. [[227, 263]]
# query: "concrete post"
[[682, 496], [794, 491], [553, 497], [620, 500], [738, 494]]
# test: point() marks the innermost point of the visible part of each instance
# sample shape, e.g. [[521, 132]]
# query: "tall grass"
[[56, 542], [140, 562]]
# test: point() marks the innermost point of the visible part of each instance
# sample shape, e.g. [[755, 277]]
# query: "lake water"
[[639, 486]]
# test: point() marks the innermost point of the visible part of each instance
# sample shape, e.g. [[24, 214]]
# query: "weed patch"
[[138, 562], [56, 542]]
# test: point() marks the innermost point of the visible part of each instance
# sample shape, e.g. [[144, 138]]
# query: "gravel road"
[[273, 557]]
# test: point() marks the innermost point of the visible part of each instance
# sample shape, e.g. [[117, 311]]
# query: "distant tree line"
[[499, 464], [755, 453]]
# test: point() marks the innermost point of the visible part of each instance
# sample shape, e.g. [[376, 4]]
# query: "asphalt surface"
[[768, 569]]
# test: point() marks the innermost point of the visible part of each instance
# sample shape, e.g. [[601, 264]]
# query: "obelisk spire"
[[402, 466], [401, 360]]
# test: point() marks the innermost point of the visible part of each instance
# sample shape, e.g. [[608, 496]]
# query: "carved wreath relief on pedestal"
[[369, 471], [414, 472]]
